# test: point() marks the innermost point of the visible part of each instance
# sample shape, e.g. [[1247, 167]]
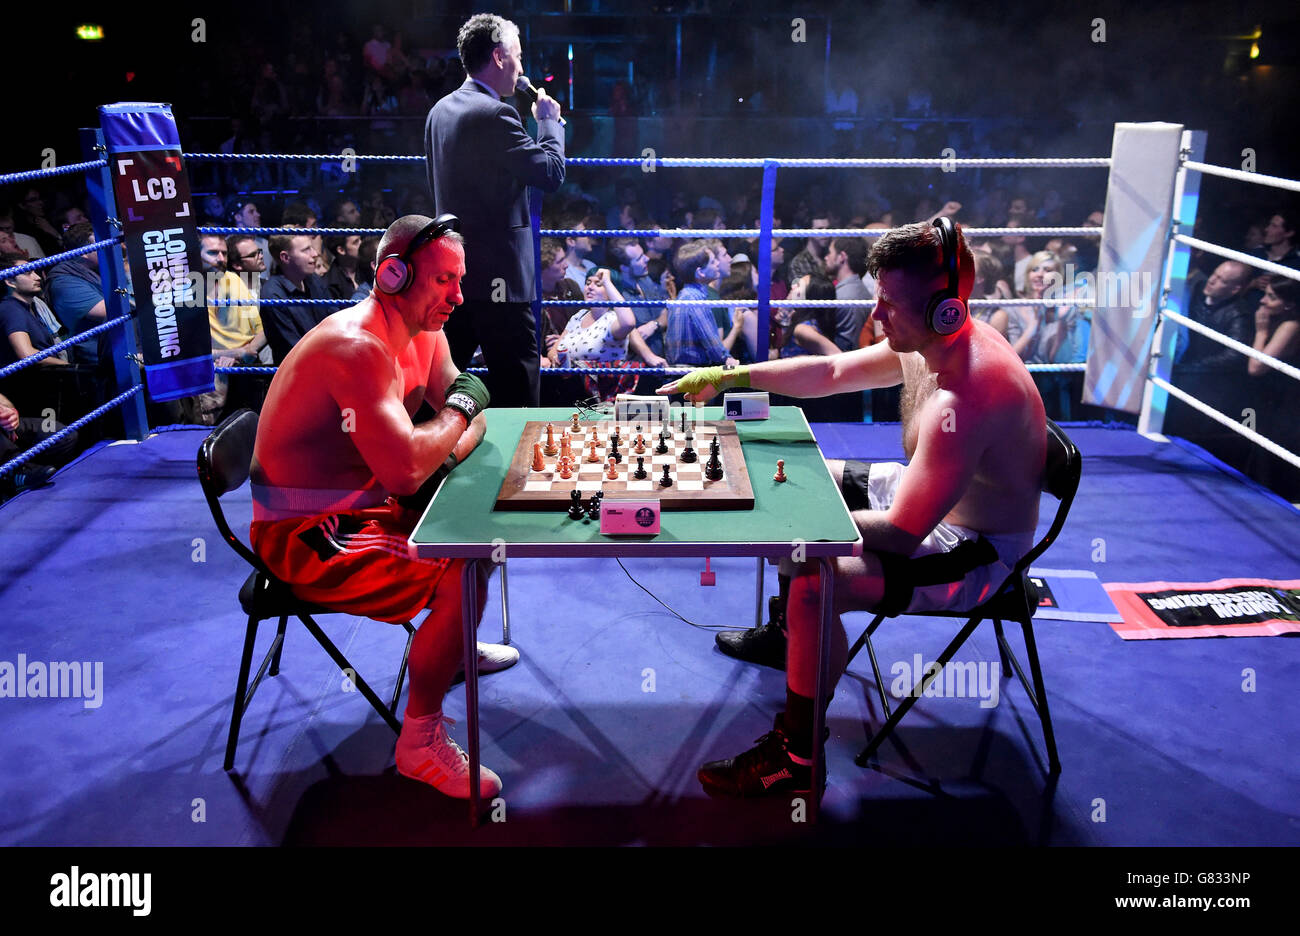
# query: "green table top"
[[461, 520]]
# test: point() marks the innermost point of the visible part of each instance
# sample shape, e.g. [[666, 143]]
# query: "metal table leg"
[[505, 606], [469, 611], [827, 609], [758, 594]]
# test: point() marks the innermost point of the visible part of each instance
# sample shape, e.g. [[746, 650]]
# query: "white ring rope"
[[1283, 366], [1242, 176], [1077, 162], [1266, 265], [1265, 443]]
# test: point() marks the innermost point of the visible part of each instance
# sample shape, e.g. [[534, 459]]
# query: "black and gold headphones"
[[945, 314]]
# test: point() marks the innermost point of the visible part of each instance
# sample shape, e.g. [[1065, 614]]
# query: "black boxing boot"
[[765, 644]]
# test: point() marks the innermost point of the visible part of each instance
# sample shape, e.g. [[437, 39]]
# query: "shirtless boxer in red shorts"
[[945, 530], [336, 439]]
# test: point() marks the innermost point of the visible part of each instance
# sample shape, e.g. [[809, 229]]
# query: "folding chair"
[[1016, 601], [224, 460]]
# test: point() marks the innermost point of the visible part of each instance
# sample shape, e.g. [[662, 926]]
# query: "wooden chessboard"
[[526, 489]]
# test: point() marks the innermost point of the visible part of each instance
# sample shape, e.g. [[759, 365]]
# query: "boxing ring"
[[128, 519]]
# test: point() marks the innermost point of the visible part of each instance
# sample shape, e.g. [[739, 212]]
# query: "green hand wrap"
[[468, 395], [718, 377]]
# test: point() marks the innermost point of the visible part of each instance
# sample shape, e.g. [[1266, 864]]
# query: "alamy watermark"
[[1109, 289], [36, 679], [970, 680]]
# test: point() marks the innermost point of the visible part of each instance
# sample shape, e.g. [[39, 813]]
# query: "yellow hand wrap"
[[718, 377]]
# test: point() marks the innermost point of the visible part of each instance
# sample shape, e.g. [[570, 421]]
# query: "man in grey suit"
[[480, 162]]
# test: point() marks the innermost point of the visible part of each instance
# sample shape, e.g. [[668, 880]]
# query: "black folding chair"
[[1016, 601], [224, 460]]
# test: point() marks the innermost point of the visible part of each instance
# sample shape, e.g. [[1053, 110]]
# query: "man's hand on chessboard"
[[704, 383]]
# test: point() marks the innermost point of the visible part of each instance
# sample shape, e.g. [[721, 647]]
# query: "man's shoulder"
[[12, 312]]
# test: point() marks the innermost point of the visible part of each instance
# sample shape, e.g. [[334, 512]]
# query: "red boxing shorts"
[[355, 560]]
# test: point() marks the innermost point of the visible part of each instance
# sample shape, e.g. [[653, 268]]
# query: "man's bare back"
[[996, 400]]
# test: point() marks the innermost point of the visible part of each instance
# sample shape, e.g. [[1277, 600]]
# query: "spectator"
[[23, 318], [375, 52], [634, 281], [1280, 240], [29, 218], [810, 329], [692, 337], [237, 331], [19, 433], [345, 252], [576, 248], [300, 215], [23, 242], [245, 214], [76, 293], [1210, 371], [285, 325], [1277, 333], [742, 321], [599, 334], [989, 284], [68, 217], [346, 213], [367, 260], [846, 262], [811, 259], [556, 285]]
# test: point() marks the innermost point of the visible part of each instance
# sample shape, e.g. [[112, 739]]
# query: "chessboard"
[[527, 489]]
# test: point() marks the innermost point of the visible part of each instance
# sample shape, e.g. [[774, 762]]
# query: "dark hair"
[[916, 250], [737, 286], [618, 249], [1289, 216], [232, 248], [855, 251], [705, 218], [691, 256], [79, 235], [366, 255], [296, 214], [819, 287], [480, 34], [1288, 290]]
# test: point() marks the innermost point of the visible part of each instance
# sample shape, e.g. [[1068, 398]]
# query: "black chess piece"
[[688, 454], [713, 469], [575, 504], [639, 474], [613, 452], [593, 506], [666, 480], [662, 447]]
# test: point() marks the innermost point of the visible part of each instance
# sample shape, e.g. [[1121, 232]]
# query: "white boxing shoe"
[[493, 658], [426, 753]]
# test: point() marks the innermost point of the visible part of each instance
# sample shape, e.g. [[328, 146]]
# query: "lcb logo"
[[645, 517]]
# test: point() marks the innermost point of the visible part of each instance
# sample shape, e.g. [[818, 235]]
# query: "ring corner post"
[[1144, 163], [765, 258], [1187, 193], [103, 214]]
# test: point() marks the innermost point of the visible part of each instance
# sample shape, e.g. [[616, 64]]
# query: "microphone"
[[525, 88]]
